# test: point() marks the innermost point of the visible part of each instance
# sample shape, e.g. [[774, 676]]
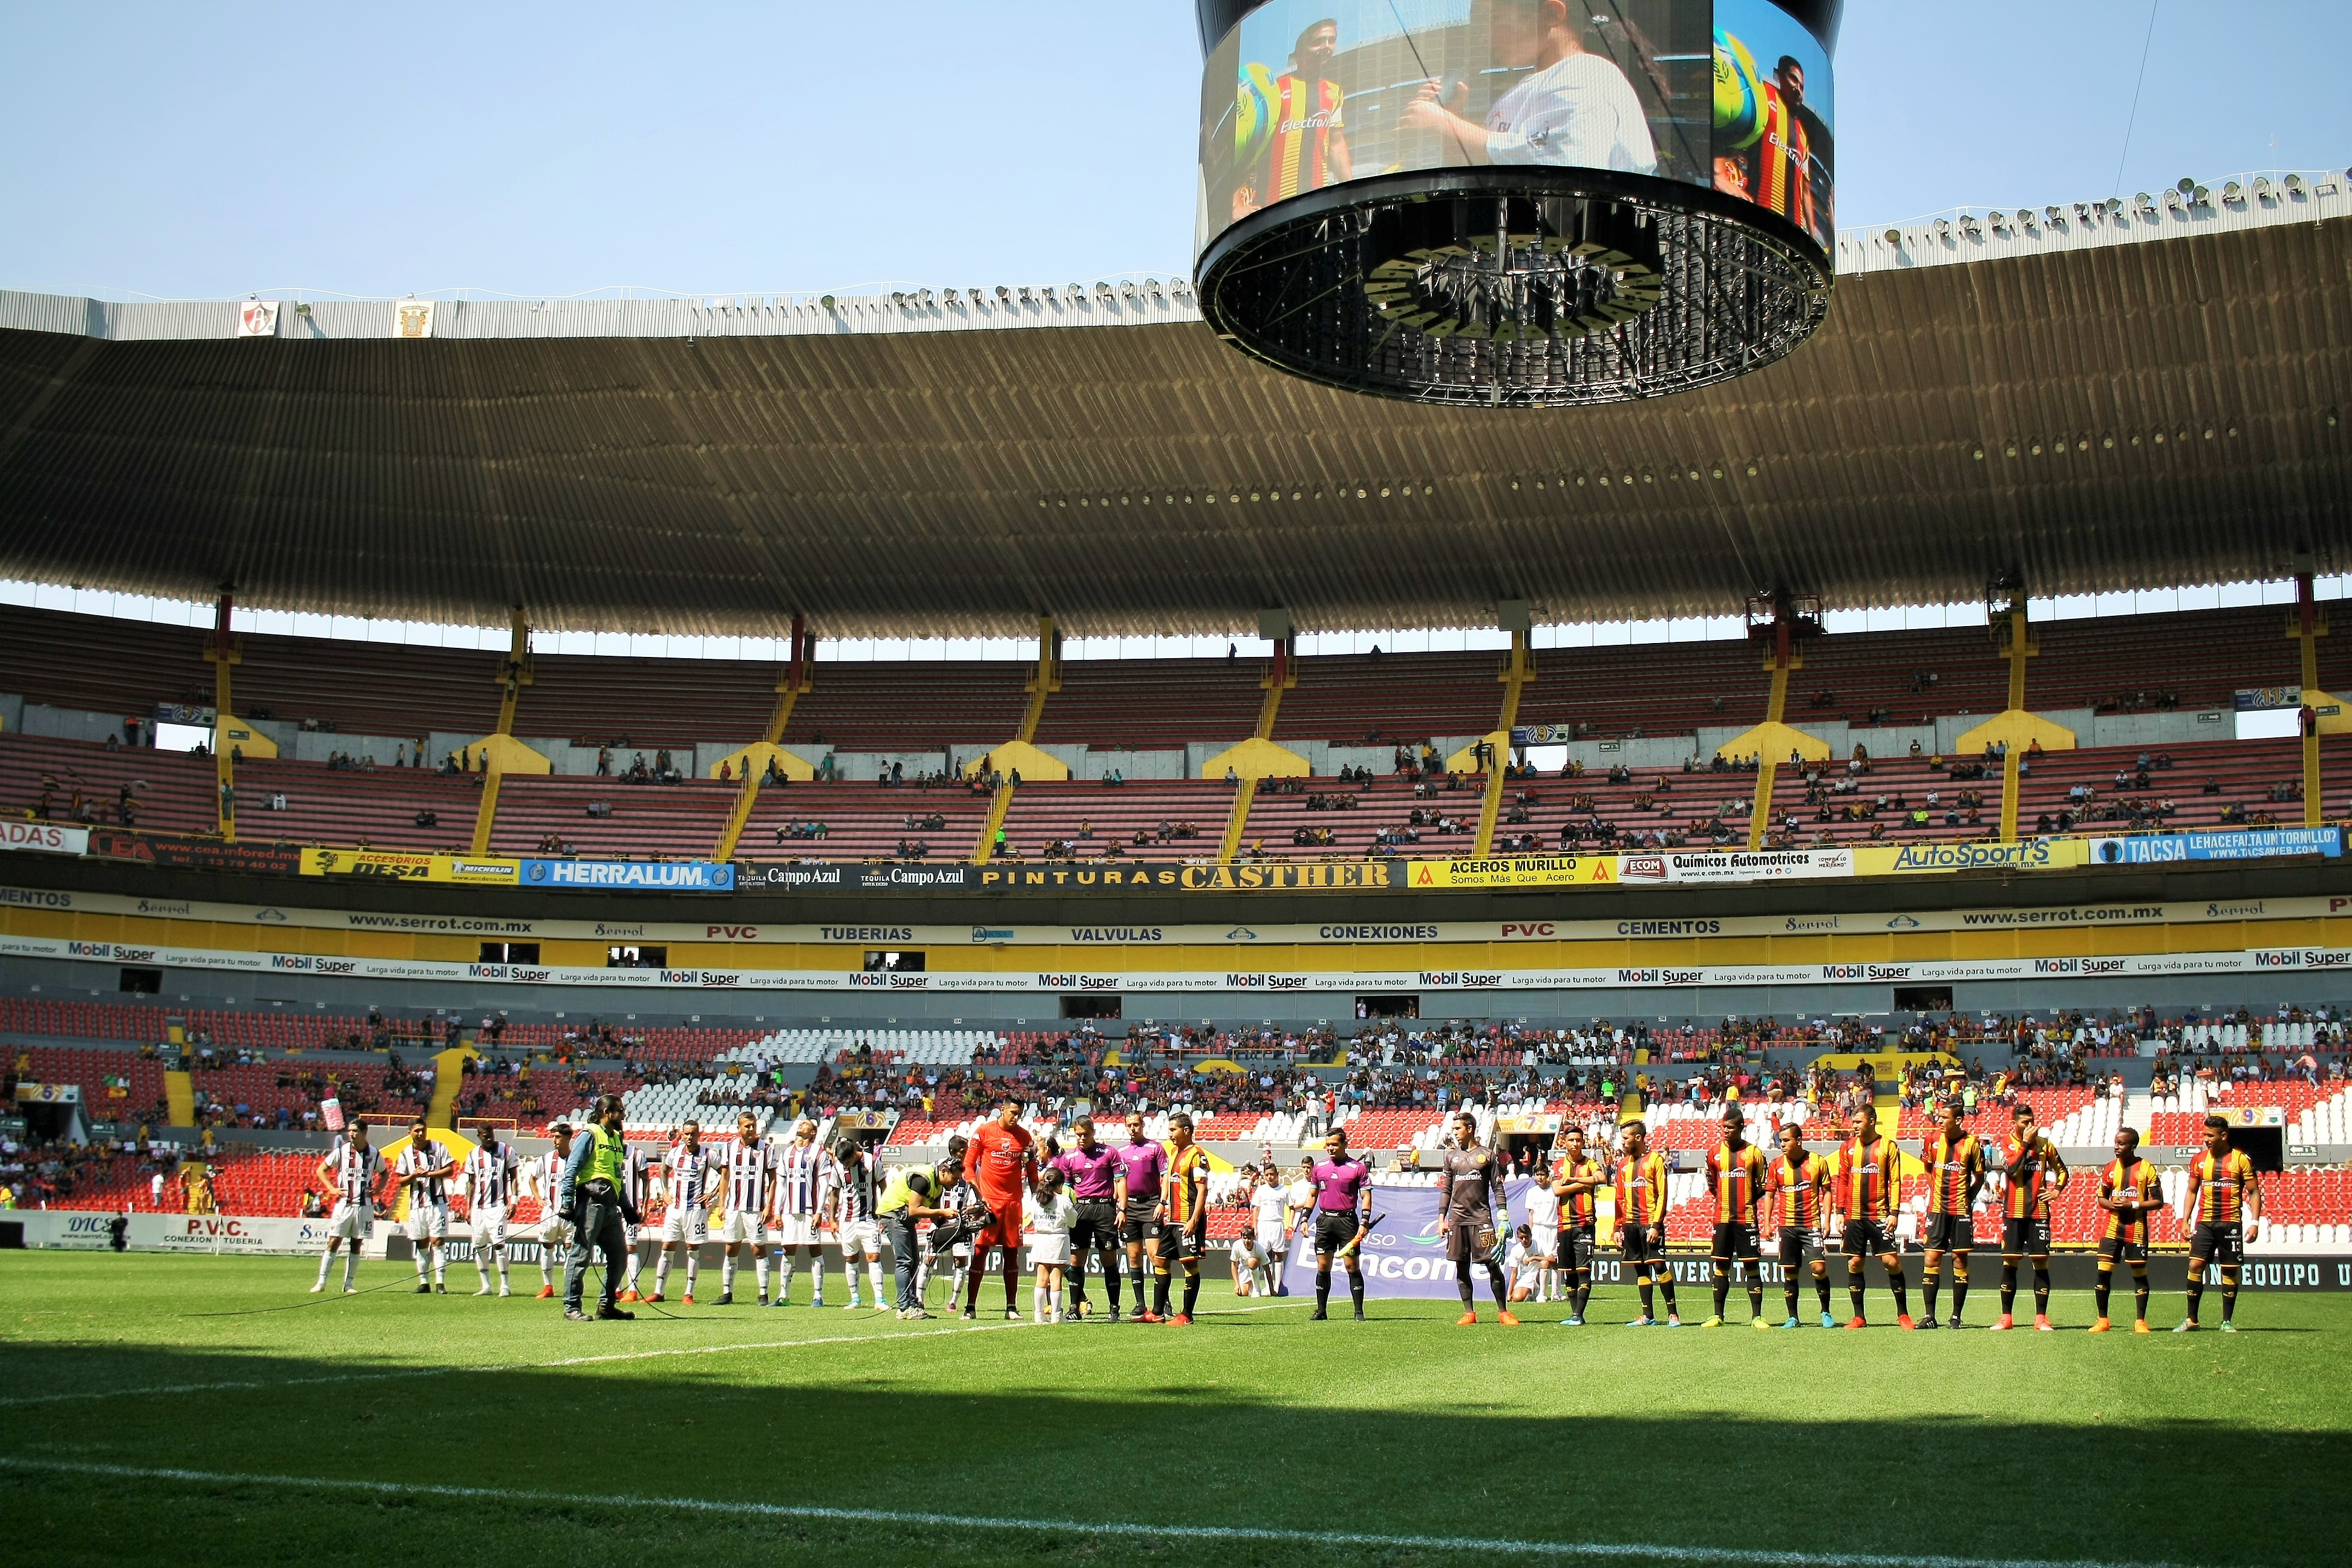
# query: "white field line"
[[1599, 1549]]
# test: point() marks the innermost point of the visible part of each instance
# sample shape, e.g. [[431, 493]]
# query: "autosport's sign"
[[47, 837]]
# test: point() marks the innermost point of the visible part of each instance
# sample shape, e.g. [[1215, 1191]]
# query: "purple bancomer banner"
[[1404, 1255]]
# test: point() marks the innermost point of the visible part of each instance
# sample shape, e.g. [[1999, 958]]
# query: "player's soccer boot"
[[440, 1289], [2102, 1326], [1903, 1320], [1360, 1316], [969, 1315], [686, 1300], [1466, 1320], [319, 1287], [853, 1305], [1182, 1320], [1760, 1324], [1318, 1316], [763, 1300], [350, 1290], [1674, 1320], [1791, 1324], [628, 1296], [1643, 1322], [1715, 1322], [1149, 1316], [485, 1290], [1954, 1322], [2041, 1324], [726, 1298], [546, 1293], [1859, 1324], [2139, 1326], [2002, 1322], [2186, 1326], [1114, 1311], [1504, 1317], [1010, 1316], [2228, 1327], [1927, 1322], [424, 1289], [1828, 1321], [656, 1296], [504, 1291]]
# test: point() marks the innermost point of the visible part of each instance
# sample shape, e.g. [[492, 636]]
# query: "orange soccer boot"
[[1903, 1320], [546, 1293], [1466, 1320], [2006, 1321], [2041, 1324], [2102, 1326], [2139, 1326], [1504, 1317], [628, 1296], [1858, 1323]]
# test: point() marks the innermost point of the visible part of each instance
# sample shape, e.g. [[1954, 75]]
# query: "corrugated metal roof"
[[934, 469]]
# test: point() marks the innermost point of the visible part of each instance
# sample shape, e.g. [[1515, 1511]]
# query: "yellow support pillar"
[[180, 1094], [2320, 714], [1258, 757], [799, 676], [513, 676], [222, 655], [1515, 677], [1021, 754], [2015, 729], [448, 1077]]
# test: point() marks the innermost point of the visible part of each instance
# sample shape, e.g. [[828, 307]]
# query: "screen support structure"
[[222, 655]]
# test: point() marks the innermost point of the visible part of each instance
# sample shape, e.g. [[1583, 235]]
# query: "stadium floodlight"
[[1895, 237], [826, 300], [1429, 258], [2184, 184], [2262, 187], [2233, 192]]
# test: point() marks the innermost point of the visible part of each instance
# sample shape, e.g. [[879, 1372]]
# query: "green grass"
[[2191, 1449]]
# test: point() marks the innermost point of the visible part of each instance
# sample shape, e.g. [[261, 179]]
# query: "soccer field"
[[145, 1424]]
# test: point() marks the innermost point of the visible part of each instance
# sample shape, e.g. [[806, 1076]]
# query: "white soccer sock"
[[636, 1264], [661, 1272], [760, 1267], [784, 1276], [546, 1263], [423, 1263], [440, 1266], [482, 1265], [693, 1264], [503, 1285], [727, 1274], [873, 1278], [352, 1264], [816, 1280], [325, 1259]]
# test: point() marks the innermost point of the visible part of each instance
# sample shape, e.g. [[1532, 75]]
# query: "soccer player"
[[2031, 1172], [555, 1224], [490, 1174], [1956, 1174], [1796, 1192], [1269, 1208], [1543, 1238], [353, 1172], [1735, 1181], [2224, 1202], [425, 1169], [856, 1195], [746, 1191], [637, 1164], [1307, 145], [1469, 1193], [800, 1198], [1248, 1261], [2130, 1192], [1002, 1165], [1142, 1169], [1642, 1224], [1869, 1188], [1183, 1220], [1343, 1203], [1090, 1172], [686, 1219], [1580, 1177]]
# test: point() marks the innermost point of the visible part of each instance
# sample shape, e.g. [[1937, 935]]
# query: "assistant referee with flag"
[[593, 1190]]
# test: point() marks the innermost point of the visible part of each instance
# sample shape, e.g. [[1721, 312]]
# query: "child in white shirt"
[[1051, 1214]]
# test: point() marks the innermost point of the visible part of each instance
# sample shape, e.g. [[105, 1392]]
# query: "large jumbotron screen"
[[1736, 95]]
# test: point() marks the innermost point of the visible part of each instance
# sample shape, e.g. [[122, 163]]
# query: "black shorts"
[[1635, 1241], [1141, 1221], [1576, 1249], [1179, 1244], [1951, 1232], [1798, 1247], [2116, 1249], [2218, 1243], [1334, 1228], [2025, 1238], [1097, 1225], [1736, 1241], [1866, 1238]]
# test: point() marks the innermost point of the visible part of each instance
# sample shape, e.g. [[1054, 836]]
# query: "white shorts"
[[794, 1230], [1271, 1237], [1544, 1242], [352, 1221], [429, 1222], [860, 1236], [690, 1225], [554, 1230], [740, 1225], [629, 1234], [1049, 1248], [489, 1224]]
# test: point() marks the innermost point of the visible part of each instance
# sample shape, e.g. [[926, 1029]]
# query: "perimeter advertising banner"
[[1404, 1255], [2243, 843], [411, 868], [206, 853], [48, 838], [641, 876], [1523, 871]]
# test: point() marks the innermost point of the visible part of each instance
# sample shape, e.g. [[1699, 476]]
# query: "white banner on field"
[[1639, 976], [82, 1230], [48, 838]]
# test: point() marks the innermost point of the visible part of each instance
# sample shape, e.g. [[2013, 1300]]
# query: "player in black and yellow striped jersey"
[[1956, 1174], [1578, 1180], [1868, 1188], [2225, 1205], [1734, 1185], [1797, 1195], [2031, 1171], [1183, 1218], [1642, 1224], [2130, 1192]]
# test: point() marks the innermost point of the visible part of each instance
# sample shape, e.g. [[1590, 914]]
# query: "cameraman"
[[914, 1194], [594, 1192]]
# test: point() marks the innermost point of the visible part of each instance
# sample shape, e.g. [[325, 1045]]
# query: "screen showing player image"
[[1308, 93], [1773, 114]]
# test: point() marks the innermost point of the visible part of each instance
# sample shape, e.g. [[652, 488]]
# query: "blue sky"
[[218, 150]]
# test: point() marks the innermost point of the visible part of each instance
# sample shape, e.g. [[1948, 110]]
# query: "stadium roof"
[[2106, 397]]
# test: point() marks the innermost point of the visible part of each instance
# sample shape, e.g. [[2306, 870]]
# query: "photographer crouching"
[[914, 1193], [593, 1194]]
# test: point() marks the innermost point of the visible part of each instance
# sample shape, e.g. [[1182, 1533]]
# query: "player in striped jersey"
[[1578, 1179], [554, 1227], [1734, 1185], [425, 1168], [1956, 1174], [686, 1219], [1183, 1218], [749, 1170], [855, 1196], [491, 1171], [638, 1164], [1797, 1194], [2031, 1172], [2224, 1202], [1869, 1188], [2130, 1192], [353, 1172], [1642, 1224], [802, 1169], [1307, 145]]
